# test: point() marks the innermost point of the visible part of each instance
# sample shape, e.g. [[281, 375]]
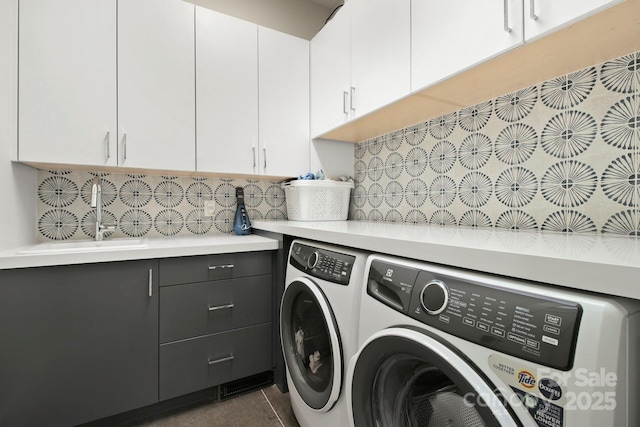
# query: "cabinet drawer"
[[209, 307], [175, 271], [199, 363]]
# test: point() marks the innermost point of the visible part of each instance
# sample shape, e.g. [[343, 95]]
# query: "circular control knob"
[[434, 297], [313, 259]]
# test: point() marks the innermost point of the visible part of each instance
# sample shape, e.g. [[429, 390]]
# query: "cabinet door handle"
[[507, 28], [264, 152], [532, 10], [215, 267], [221, 307], [345, 97], [254, 156], [352, 100], [223, 359], [107, 139], [150, 282], [124, 146]]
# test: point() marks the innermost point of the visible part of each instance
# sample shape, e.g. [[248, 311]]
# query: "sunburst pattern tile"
[[562, 155], [148, 205]]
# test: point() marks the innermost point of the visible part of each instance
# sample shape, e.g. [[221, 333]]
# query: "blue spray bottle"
[[241, 223]]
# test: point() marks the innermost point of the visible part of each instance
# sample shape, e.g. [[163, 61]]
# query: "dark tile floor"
[[267, 407]]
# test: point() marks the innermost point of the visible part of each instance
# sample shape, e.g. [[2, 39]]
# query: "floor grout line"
[[272, 408]]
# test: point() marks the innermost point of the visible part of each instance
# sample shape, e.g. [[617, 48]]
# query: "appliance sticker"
[[529, 388]]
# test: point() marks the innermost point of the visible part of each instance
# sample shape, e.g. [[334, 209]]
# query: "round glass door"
[[404, 377], [311, 344]]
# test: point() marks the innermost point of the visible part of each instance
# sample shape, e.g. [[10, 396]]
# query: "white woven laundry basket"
[[317, 200]]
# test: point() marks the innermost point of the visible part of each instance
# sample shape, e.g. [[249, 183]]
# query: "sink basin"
[[76, 246]]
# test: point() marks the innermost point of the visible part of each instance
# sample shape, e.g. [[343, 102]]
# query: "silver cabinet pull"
[[507, 28], [352, 101], [264, 151], [532, 10], [221, 307], [254, 156], [215, 267], [223, 359], [345, 97], [107, 139], [150, 282], [124, 146]]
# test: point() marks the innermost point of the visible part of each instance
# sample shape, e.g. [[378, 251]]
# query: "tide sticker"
[[526, 379]]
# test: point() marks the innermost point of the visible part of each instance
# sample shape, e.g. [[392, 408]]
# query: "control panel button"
[[483, 326], [497, 331]]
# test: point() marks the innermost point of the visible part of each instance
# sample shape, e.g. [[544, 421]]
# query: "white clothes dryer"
[[446, 347], [318, 327]]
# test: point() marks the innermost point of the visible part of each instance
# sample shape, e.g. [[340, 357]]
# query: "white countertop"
[[598, 263], [155, 248]]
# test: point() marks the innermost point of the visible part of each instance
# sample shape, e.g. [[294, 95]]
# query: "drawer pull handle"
[[224, 359], [150, 282], [215, 267], [221, 307]]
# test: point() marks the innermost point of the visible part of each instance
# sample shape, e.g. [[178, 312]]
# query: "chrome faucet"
[[96, 202]]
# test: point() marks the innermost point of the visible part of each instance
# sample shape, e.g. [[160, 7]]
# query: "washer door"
[[406, 377], [311, 344]]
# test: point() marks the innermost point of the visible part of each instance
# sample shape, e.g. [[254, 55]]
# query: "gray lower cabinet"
[[201, 362], [215, 320], [79, 342]]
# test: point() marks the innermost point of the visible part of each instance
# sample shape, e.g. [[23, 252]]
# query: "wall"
[[563, 155], [148, 205], [18, 204]]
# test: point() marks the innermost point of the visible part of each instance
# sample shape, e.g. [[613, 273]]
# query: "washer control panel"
[[532, 327], [321, 263]]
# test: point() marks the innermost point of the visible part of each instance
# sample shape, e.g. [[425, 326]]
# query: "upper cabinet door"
[[67, 82], [380, 53], [544, 16], [226, 93], [156, 84], [450, 36], [331, 74], [283, 64]]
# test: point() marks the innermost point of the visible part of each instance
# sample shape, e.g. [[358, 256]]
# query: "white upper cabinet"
[[331, 74], [380, 53], [67, 82], [544, 16], [360, 61], [76, 106], [226, 93], [156, 84], [283, 64], [449, 36]]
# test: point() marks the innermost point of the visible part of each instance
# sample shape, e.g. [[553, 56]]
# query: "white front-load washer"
[[318, 327], [445, 347]]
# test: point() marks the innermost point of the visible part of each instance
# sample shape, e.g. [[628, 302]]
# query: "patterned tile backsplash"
[[560, 156], [148, 205]]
